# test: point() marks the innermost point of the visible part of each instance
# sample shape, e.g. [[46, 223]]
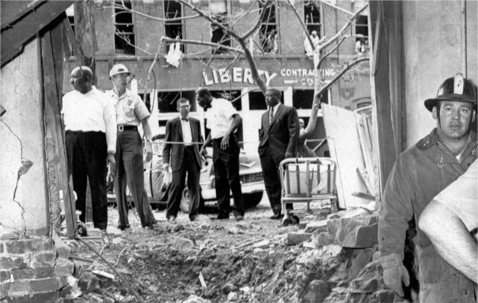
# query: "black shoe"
[[239, 218], [277, 217], [121, 227]]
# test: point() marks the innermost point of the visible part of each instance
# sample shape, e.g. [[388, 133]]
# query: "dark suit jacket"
[[174, 153], [282, 135]]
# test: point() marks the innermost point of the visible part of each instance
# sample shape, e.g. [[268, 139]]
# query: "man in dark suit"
[[278, 139], [183, 157]]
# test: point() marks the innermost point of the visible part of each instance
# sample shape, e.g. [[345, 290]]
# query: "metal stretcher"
[[307, 180]]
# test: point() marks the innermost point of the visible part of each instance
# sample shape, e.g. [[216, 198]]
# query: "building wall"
[[149, 31], [104, 30], [23, 202], [435, 48]]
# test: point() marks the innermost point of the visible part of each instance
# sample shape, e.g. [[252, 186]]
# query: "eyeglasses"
[[124, 76], [185, 106]]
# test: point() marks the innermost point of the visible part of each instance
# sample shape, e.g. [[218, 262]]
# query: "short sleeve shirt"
[[461, 197], [130, 109], [220, 117]]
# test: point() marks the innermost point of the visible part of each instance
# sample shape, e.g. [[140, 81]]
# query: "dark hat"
[[456, 89]]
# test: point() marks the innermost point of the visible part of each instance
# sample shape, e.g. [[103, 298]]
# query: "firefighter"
[[418, 175]]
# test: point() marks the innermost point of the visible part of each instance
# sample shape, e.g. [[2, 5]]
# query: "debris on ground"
[[255, 260]]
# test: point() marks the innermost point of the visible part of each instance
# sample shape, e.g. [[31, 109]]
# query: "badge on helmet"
[[118, 69], [457, 89]]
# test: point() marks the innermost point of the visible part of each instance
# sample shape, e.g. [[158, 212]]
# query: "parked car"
[[250, 174]]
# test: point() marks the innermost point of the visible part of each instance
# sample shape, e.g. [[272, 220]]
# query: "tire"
[[184, 205], [253, 199]]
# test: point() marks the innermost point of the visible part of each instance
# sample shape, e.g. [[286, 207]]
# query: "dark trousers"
[[177, 185], [226, 172], [272, 182], [86, 154], [130, 171]]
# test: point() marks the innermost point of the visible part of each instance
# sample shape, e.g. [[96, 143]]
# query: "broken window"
[[268, 36], [218, 9], [173, 27], [124, 28], [304, 98], [257, 100], [70, 13], [361, 34], [312, 17]]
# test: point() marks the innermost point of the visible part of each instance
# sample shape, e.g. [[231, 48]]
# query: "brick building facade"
[[278, 50]]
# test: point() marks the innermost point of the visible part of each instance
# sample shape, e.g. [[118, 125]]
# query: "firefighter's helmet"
[[118, 69], [454, 89]]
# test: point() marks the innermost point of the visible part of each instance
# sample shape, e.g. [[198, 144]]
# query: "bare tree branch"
[[343, 29], [242, 39], [337, 7], [340, 74], [211, 44], [125, 8]]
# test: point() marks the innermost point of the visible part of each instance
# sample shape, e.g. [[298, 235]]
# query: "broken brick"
[[43, 272], [64, 267], [22, 273], [4, 275], [45, 285], [9, 263], [45, 258], [297, 238], [18, 288], [18, 246]]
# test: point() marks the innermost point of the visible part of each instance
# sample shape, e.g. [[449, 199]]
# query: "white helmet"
[[118, 69]]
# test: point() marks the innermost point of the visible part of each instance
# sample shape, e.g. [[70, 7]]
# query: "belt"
[[126, 127]]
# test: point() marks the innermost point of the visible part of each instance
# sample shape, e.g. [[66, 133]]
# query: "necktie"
[[185, 119], [271, 111]]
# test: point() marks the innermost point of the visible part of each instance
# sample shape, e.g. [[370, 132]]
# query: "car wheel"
[[252, 199], [184, 205]]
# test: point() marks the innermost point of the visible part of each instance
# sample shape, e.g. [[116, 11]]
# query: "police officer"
[[418, 175], [130, 112]]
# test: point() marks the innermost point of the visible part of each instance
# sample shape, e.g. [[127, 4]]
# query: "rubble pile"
[[245, 261]]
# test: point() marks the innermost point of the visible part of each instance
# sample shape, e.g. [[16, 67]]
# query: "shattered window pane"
[[218, 9], [124, 29], [268, 35]]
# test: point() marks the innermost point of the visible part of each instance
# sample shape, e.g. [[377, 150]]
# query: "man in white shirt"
[[181, 153], [223, 120], [130, 113], [90, 124]]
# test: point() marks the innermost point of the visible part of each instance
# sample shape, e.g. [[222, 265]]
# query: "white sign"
[[239, 75]]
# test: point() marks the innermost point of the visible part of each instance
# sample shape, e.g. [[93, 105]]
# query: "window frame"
[[314, 25], [225, 41], [268, 28], [179, 23], [126, 51]]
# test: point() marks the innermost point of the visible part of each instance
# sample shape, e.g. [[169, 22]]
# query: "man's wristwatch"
[[111, 152]]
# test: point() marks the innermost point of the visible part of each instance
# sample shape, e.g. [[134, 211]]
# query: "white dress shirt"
[[219, 117], [186, 128], [90, 112]]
